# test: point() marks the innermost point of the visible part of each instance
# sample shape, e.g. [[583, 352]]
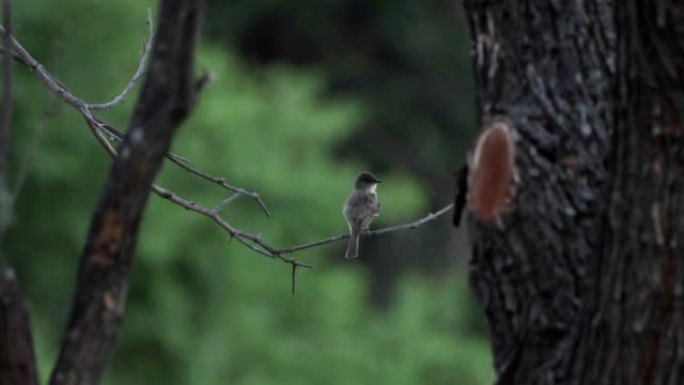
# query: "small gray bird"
[[360, 209]]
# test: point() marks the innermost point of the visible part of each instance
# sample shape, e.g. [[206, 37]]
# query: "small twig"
[[414, 225], [294, 273], [219, 207], [252, 241], [339, 237], [186, 165], [147, 46]]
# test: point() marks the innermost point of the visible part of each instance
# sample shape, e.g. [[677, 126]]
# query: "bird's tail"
[[353, 247]]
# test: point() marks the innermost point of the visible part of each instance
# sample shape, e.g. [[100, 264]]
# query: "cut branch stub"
[[491, 175]]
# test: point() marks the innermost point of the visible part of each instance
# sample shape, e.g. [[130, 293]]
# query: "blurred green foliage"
[[202, 309], [406, 60]]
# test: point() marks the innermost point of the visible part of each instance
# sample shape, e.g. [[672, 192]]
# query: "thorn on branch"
[[147, 47]]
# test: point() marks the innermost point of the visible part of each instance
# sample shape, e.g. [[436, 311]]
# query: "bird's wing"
[[361, 208], [368, 208]]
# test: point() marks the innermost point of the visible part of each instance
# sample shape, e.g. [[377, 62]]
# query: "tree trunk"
[[584, 282], [166, 99], [17, 358]]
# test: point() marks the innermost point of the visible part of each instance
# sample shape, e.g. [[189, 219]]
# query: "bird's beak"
[[378, 181]]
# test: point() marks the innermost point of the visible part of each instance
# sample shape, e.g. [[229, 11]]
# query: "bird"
[[360, 209]]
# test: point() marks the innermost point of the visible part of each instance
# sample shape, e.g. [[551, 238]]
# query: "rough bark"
[[584, 284], [17, 358], [166, 99]]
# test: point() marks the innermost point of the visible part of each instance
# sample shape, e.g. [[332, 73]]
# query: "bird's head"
[[366, 181]]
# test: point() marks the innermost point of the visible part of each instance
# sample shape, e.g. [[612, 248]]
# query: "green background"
[[204, 310]]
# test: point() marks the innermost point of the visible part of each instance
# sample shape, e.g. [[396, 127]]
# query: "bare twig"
[[147, 46], [220, 181], [185, 165], [251, 240], [219, 207]]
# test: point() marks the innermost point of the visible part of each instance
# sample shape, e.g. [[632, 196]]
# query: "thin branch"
[[48, 80], [407, 226], [147, 46], [185, 165], [221, 182], [252, 241]]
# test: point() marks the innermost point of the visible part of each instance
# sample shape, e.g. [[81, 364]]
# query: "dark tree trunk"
[[165, 101], [17, 359], [585, 282]]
